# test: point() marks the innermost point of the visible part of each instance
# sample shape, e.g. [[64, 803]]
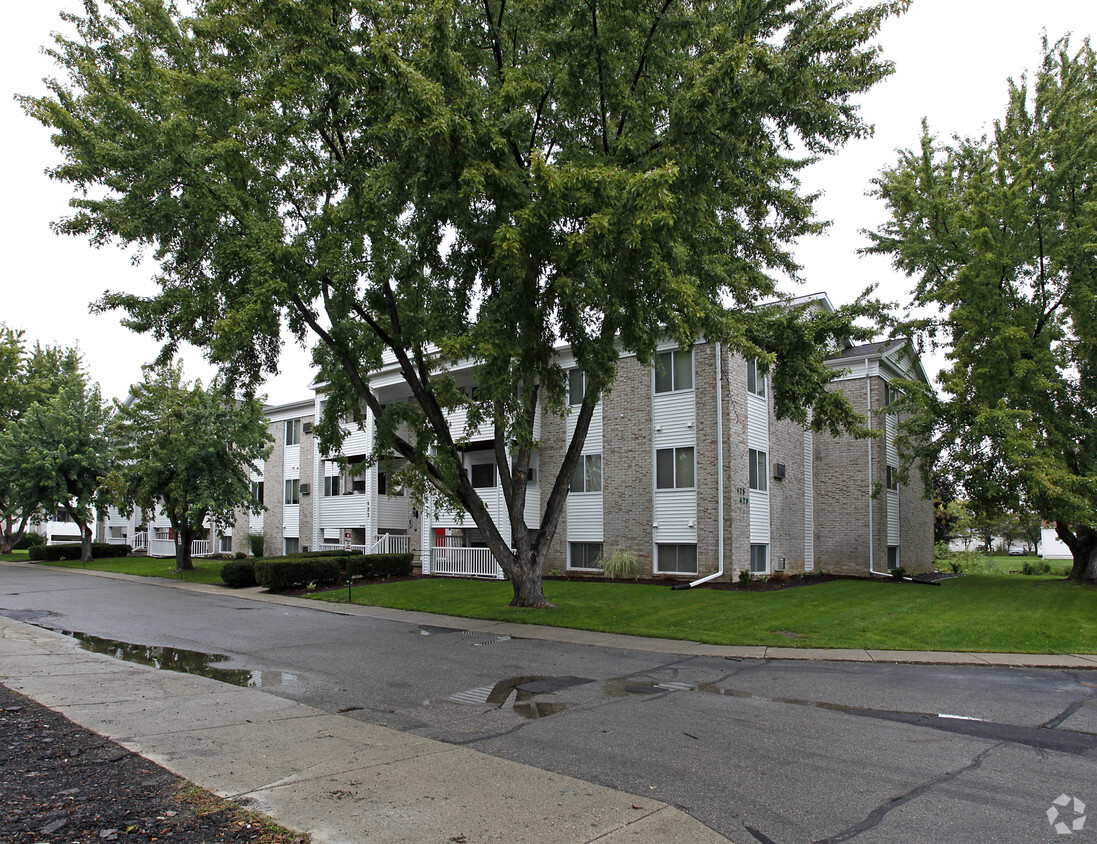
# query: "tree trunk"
[[183, 562], [85, 542], [1082, 542], [11, 534], [525, 579]]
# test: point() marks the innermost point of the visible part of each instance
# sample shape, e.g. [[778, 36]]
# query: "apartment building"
[[685, 465]]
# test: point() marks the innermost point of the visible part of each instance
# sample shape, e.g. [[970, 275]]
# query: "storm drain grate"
[[472, 697]]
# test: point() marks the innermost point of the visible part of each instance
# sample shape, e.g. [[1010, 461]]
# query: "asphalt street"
[[763, 750]]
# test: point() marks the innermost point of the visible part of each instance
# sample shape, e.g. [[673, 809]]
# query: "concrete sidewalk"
[[336, 778]]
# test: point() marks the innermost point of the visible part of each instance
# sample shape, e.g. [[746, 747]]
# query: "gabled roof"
[[867, 350]]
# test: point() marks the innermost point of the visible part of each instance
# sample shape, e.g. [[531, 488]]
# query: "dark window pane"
[[664, 373], [577, 386], [683, 370], [482, 475], [664, 468], [683, 468]]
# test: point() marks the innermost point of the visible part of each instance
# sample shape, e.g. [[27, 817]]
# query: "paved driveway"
[[756, 749]]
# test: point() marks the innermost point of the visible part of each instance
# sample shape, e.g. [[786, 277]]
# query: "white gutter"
[[719, 472], [871, 537]]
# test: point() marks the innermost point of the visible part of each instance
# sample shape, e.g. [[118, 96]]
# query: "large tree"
[[30, 379], [187, 452], [1001, 233], [446, 181]]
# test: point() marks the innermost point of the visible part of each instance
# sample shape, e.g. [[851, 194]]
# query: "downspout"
[[871, 537], [719, 477]]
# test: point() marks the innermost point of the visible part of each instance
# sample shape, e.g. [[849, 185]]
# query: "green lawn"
[[14, 557], [205, 571], [973, 613]]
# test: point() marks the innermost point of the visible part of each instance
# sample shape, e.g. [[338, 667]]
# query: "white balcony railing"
[[160, 547], [390, 543], [455, 561]]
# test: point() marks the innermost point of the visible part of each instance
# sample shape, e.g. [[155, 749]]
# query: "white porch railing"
[[159, 547], [453, 560], [338, 546], [390, 543]]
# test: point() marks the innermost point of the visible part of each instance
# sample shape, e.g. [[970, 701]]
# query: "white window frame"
[[764, 549], [583, 472], [292, 491], [677, 546], [666, 366], [756, 380], [293, 432], [758, 470], [585, 545], [675, 480], [577, 379], [892, 479]]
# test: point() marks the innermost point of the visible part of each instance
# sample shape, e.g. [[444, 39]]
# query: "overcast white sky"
[[952, 60]]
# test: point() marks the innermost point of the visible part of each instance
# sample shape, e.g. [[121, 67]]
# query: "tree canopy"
[[460, 181], [187, 452], [43, 392], [1001, 234]]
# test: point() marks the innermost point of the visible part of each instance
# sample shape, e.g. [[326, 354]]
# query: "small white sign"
[[346, 540]]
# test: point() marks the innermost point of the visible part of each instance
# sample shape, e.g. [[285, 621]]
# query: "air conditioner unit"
[[780, 564], [779, 471], [306, 427], [305, 489]]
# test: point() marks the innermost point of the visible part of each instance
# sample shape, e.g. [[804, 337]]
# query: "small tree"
[[29, 381], [188, 452]]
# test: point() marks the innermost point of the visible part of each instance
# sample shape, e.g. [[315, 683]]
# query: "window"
[[756, 380], [677, 559], [759, 559], [891, 394], [293, 431], [893, 557], [577, 386], [674, 371], [257, 492], [117, 532], [584, 555], [482, 475], [382, 482], [225, 545], [331, 485], [759, 469], [292, 544], [293, 491], [674, 468], [893, 478], [588, 474]]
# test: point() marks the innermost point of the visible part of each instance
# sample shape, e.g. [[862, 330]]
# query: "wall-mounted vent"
[[780, 564], [306, 427], [779, 471]]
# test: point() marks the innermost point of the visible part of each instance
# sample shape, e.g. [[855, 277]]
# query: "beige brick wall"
[[627, 463], [707, 474], [786, 497], [736, 469], [915, 525], [553, 447], [273, 492]]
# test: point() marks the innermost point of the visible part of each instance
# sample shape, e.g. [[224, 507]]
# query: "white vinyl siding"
[[891, 424], [673, 464], [583, 511], [758, 440]]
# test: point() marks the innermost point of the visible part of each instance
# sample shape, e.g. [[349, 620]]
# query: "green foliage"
[[1031, 567], [29, 540], [999, 232], [239, 573], [49, 420], [620, 563], [255, 543], [746, 577], [99, 550], [467, 181], [898, 573], [187, 451], [280, 574], [379, 565]]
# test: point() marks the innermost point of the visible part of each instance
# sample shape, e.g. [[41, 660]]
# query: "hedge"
[[279, 573], [55, 553], [28, 541], [380, 565], [239, 573]]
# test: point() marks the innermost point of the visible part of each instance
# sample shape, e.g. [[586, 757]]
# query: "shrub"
[[745, 577], [280, 573], [378, 565], [255, 543], [620, 563], [239, 573], [898, 572], [56, 553], [29, 540], [779, 577], [1036, 567]]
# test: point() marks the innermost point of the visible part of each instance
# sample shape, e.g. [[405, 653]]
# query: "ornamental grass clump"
[[620, 563]]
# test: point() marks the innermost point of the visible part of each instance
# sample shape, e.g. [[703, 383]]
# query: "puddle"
[[519, 693], [186, 662]]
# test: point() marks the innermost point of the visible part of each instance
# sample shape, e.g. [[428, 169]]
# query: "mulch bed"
[[63, 784]]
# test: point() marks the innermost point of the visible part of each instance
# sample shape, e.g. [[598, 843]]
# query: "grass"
[[205, 571], [983, 612]]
